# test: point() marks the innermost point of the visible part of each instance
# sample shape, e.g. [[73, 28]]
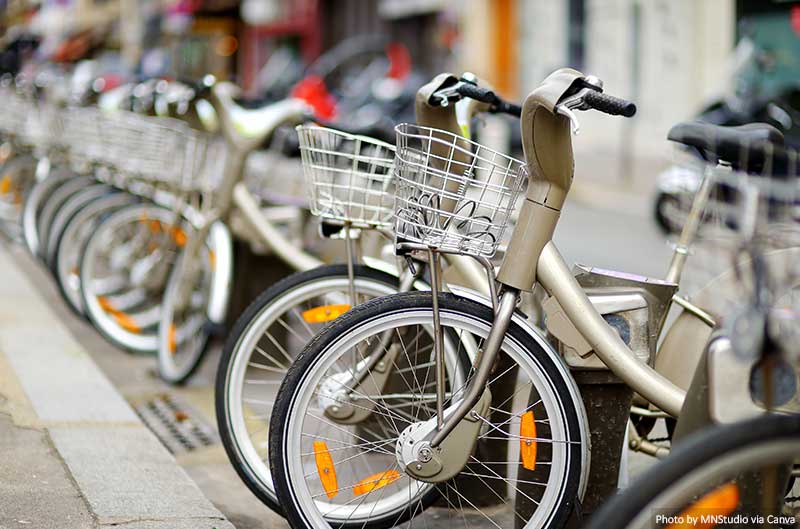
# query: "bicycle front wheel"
[[527, 460], [196, 300], [123, 273], [724, 476], [17, 176], [72, 243], [265, 340]]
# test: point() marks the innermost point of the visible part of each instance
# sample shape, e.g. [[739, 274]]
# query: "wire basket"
[[453, 194], [43, 126], [16, 107], [159, 151], [350, 178], [83, 136]]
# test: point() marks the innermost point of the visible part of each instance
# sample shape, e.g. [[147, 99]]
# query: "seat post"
[[690, 228]]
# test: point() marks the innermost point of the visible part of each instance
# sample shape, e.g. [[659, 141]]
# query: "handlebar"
[[467, 87], [488, 96], [485, 95], [608, 104]]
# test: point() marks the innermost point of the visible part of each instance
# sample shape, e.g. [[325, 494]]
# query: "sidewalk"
[[75, 455]]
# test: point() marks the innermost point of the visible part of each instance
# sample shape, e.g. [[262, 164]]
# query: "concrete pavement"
[[74, 452]]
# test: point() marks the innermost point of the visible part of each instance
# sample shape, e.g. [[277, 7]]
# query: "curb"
[[124, 474]]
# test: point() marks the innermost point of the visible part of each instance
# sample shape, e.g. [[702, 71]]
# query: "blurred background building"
[[670, 56]]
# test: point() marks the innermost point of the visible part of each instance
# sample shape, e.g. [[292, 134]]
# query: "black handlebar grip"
[[511, 109], [477, 93], [609, 104]]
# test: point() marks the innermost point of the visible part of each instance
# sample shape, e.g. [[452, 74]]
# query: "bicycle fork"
[[438, 449]]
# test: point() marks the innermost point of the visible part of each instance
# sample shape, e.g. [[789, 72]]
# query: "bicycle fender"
[[221, 243], [555, 358]]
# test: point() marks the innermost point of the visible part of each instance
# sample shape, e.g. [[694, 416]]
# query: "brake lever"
[[447, 95], [567, 112], [568, 106]]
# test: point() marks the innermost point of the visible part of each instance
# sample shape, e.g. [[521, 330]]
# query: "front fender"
[[549, 351], [221, 243]]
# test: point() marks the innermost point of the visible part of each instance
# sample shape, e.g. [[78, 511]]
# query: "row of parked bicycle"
[[386, 392]]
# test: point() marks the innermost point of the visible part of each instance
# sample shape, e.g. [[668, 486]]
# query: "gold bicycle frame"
[[547, 142]]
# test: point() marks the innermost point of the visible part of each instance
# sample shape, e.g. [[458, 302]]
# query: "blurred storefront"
[[667, 55]]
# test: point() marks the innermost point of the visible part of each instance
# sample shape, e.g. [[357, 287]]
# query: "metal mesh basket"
[[452, 193], [42, 126], [158, 150], [83, 136], [13, 116], [350, 178]]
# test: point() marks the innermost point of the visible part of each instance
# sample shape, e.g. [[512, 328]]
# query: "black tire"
[[701, 449], [51, 205], [34, 202], [241, 326], [385, 307], [99, 209], [668, 225], [65, 213]]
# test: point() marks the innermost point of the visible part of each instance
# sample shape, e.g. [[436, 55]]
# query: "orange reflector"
[[105, 304], [127, 323], [324, 313], [172, 343], [527, 440], [155, 226], [179, 236], [327, 474], [212, 259], [5, 184], [718, 503], [375, 481]]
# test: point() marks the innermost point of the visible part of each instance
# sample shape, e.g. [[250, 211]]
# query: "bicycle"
[[29, 130], [442, 170], [126, 260], [78, 217], [191, 309], [349, 178], [361, 61], [740, 471]]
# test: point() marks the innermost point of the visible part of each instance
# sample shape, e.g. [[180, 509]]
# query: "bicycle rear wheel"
[[525, 469], [265, 339], [721, 471]]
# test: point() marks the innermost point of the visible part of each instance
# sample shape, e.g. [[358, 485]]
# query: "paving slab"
[[103, 467], [35, 488], [146, 483]]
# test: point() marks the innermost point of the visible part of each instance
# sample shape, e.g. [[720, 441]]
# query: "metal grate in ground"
[[179, 426]]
